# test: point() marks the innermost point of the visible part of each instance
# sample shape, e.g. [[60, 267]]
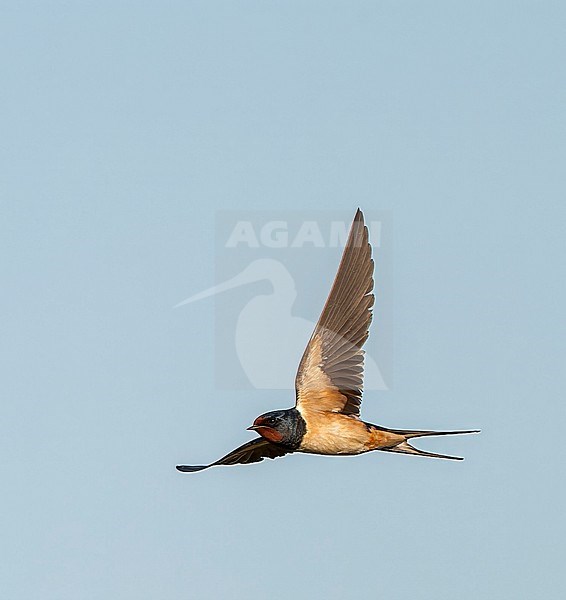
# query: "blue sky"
[[126, 127]]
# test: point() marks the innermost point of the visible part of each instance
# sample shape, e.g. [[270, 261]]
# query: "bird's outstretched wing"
[[330, 375], [254, 451]]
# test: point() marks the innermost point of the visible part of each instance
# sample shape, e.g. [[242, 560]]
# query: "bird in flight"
[[326, 416]]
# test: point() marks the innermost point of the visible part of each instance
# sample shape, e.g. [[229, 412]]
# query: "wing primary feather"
[[250, 452], [330, 375]]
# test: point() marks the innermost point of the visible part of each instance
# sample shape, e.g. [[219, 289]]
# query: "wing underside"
[[330, 374]]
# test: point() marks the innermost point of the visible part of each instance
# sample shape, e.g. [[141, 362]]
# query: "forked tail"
[[404, 447]]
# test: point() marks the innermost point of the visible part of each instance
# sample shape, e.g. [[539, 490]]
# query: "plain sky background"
[[125, 126]]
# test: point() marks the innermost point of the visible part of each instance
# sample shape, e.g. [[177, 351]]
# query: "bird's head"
[[275, 426]]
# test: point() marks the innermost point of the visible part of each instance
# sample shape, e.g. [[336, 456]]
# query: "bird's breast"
[[334, 433]]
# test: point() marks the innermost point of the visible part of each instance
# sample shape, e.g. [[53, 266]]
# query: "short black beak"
[[252, 428]]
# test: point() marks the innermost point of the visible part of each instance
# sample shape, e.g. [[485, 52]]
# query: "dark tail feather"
[[405, 448], [416, 434]]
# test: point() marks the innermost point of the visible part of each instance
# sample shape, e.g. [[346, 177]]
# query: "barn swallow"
[[326, 416]]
